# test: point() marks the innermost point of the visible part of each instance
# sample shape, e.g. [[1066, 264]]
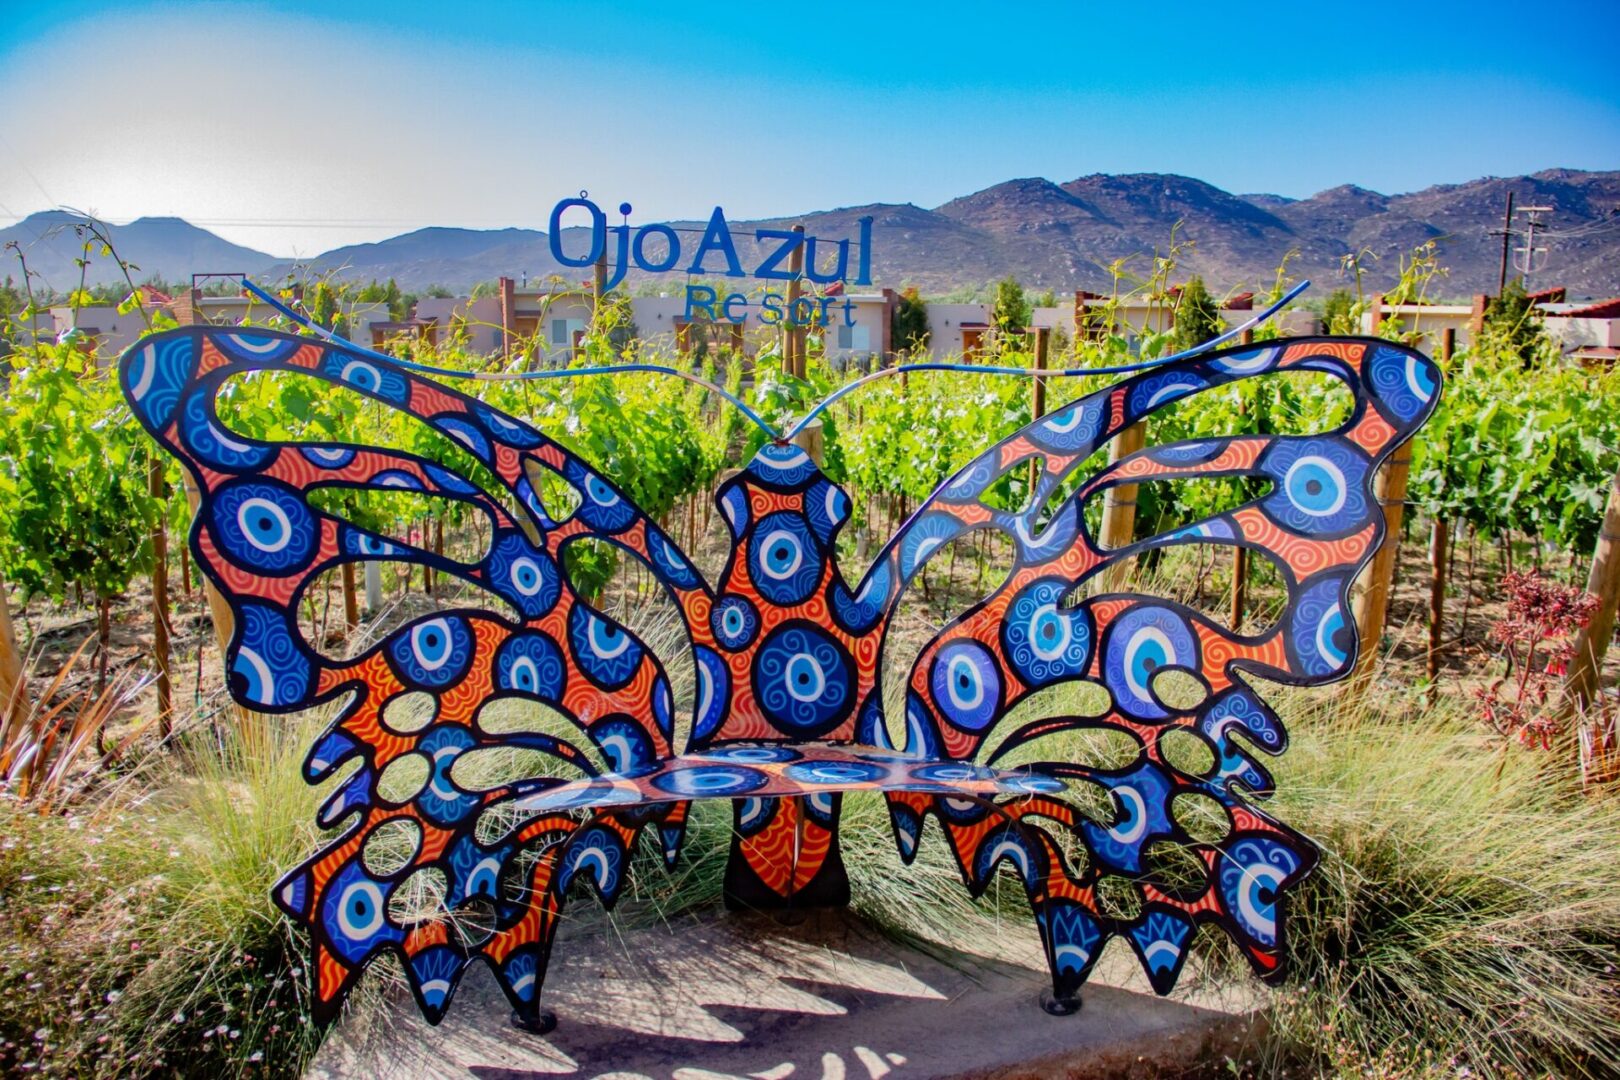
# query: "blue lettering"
[[640, 249], [598, 232], [735, 298], [838, 272], [717, 238], [767, 270], [693, 303], [770, 309]]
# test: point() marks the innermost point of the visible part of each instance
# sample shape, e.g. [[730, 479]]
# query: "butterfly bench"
[[788, 663]]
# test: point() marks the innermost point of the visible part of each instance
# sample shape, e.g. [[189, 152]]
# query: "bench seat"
[[779, 770]]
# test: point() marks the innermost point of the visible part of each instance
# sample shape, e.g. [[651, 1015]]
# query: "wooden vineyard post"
[[1037, 399], [793, 359], [1448, 345], [1372, 599], [1439, 543], [160, 600], [13, 686], [1582, 681], [1240, 554], [351, 599], [1119, 506]]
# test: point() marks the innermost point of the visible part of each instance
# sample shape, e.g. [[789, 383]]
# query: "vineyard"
[[111, 759]]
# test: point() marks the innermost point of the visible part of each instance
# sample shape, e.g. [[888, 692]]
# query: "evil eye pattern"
[[1163, 387], [396, 478], [802, 679], [1007, 844], [261, 347], [1320, 485], [624, 743], [1251, 878], [1239, 708], [734, 508], [520, 974], [441, 800], [1074, 939], [698, 781], [1142, 802], [466, 433], [1042, 641], [1247, 363], [1161, 941], [524, 574], [508, 430], [598, 852], [1187, 453], [475, 870], [1404, 382], [354, 914], [1034, 784], [825, 507], [859, 613], [155, 375], [530, 663], [924, 538], [713, 692], [449, 481], [835, 772], [784, 561], [782, 465], [951, 772], [604, 650], [200, 434], [734, 622], [600, 506], [1141, 642], [753, 755], [433, 653], [1070, 429], [328, 457], [366, 376], [434, 972], [267, 667], [670, 565], [966, 685], [264, 526], [1322, 636]]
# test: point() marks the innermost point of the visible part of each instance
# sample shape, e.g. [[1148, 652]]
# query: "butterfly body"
[[789, 660]]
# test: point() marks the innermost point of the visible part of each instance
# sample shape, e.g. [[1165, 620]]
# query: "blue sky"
[[294, 127]]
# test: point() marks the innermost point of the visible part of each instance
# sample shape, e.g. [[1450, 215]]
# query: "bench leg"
[[785, 855]]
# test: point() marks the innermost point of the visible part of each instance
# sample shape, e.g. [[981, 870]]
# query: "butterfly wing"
[[262, 542], [1319, 524]]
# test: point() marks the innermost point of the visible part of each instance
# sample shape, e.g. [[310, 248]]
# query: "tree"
[[1337, 317], [909, 324], [1513, 326], [1010, 313], [1197, 317], [323, 306]]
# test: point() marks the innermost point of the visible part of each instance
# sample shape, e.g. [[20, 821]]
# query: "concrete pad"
[[830, 999]]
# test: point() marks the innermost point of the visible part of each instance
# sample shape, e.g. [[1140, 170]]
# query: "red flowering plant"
[[1537, 634]]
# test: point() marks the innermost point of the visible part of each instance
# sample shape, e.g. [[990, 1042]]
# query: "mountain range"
[[1048, 235]]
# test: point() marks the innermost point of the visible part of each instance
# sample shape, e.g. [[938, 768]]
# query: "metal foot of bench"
[[1059, 1006], [540, 1022]]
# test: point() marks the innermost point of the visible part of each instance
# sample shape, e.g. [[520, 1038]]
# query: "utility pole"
[[1532, 222], [1507, 239]]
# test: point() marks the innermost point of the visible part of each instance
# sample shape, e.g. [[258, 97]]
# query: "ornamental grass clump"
[[1466, 912], [137, 935]]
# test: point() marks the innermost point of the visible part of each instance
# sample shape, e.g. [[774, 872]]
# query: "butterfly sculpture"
[[790, 665]]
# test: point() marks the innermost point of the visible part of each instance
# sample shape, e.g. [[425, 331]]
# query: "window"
[[857, 338], [559, 332]]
